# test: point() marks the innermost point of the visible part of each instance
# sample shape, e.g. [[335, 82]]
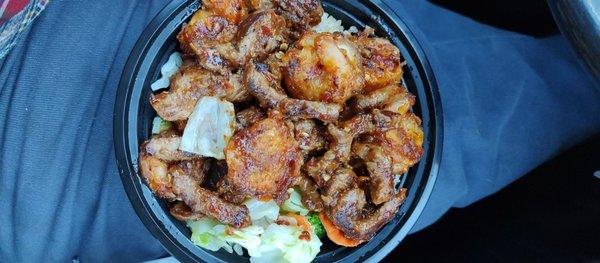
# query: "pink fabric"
[[9, 8]]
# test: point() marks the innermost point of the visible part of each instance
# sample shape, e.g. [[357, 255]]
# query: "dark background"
[[551, 214]]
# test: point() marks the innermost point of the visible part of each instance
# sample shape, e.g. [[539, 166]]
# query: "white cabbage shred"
[[167, 70], [209, 128], [294, 203], [331, 24], [265, 240]]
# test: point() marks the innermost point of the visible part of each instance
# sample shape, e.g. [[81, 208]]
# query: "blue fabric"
[[510, 103]]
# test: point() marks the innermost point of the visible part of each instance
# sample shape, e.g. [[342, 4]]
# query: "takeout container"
[[133, 121]]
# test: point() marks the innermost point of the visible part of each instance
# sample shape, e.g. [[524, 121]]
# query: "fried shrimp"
[[324, 67]]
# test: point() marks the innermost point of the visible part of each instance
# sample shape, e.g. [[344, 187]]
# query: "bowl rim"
[[121, 131]]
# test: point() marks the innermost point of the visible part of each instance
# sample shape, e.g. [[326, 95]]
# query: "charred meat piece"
[[259, 35], [342, 180], [321, 168], [403, 143], [381, 61], [180, 126], [345, 204], [323, 67], [191, 83], [381, 183], [264, 86], [232, 10], [275, 65], [257, 5], [363, 227], [310, 195], [249, 116], [182, 212], [390, 98], [210, 37], [156, 174], [376, 121], [310, 136], [201, 200], [263, 160], [167, 149], [300, 15], [400, 103]]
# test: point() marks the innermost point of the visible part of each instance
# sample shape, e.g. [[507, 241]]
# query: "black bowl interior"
[[133, 122]]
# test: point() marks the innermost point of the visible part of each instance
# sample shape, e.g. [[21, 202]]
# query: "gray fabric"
[[60, 190]]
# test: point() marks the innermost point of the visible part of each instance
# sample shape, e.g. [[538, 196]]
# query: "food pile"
[[279, 127]]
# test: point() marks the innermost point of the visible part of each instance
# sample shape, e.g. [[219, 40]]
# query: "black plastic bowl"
[[133, 120]]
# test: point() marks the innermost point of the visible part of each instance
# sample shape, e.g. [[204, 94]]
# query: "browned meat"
[[342, 180], [167, 149], [180, 126], [310, 195], [300, 14], [376, 121], [204, 201], [309, 135], [249, 116], [211, 32], [263, 160], [376, 98], [232, 10], [155, 173], [276, 65], [191, 83], [323, 67], [390, 98], [321, 168], [363, 227], [257, 5], [263, 85], [381, 61], [197, 169], [381, 183], [260, 34], [345, 206], [402, 142], [400, 103], [209, 36], [183, 212]]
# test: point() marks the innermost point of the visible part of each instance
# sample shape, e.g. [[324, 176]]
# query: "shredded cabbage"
[[294, 203], [282, 243], [262, 213], [208, 233], [203, 236], [247, 237], [209, 128], [265, 240], [167, 70], [159, 125]]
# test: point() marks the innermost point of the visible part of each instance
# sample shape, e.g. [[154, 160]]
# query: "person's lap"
[[510, 102]]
